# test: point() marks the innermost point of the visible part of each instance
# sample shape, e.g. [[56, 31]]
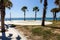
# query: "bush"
[[12, 25]]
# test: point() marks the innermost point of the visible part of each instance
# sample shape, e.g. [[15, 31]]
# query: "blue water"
[[29, 18]]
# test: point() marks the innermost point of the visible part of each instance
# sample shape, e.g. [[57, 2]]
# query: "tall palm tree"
[[54, 10], [4, 4], [24, 8], [36, 9], [44, 12]]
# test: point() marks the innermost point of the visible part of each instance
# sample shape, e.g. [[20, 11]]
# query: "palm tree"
[[54, 10], [4, 4], [36, 9], [24, 8], [57, 2], [44, 12]]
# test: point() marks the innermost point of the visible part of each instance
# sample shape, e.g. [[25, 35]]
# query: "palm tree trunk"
[[35, 16], [55, 16], [10, 16], [2, 16], [24, 16], [59, 6], [44, 12], [59, 3], [2, 21], [44, 15]]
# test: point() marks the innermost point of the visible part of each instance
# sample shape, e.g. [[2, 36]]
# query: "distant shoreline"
[[29, 19]]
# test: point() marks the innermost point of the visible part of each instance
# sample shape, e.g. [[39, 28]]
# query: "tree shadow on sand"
[[18, 38], [50, 26], [3, 37], [9, 37]]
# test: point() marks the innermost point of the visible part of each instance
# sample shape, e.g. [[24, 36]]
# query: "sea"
[[29, 19]]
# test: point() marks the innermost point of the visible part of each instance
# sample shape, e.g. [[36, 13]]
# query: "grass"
[[46, 34], [37, 32], [58, 37], [41, 32]]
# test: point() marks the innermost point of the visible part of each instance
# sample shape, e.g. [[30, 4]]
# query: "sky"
[[16, 11]]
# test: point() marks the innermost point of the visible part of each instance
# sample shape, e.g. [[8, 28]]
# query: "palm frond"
[[24, 8], [35, 8], [8, 4], [55, 10], [57, 2]]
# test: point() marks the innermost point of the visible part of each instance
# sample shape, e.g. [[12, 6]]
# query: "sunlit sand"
[[27, 22]]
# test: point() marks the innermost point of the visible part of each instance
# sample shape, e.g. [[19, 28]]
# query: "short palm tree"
[[24, 8], [36, 9], [44, 12], [4, 4], [54, 10]]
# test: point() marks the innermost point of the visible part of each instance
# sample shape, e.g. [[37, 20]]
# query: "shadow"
[[12, 25], [3, 37], [55, 27], [10, 35], [18, 38], [6, 26]]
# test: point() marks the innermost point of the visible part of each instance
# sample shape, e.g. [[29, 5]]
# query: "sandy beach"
[[27, 22]]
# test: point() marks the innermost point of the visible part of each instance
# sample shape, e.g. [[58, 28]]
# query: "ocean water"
[[29, 18]]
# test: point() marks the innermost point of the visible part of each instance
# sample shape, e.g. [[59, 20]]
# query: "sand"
[[27, 22]]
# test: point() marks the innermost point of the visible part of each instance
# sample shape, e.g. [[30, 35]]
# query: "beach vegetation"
[[35, 32]]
